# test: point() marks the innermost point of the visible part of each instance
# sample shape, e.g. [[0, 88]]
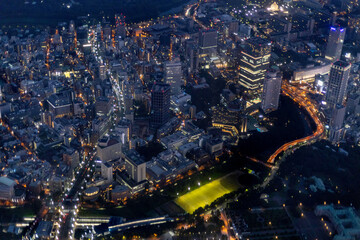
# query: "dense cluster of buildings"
[[121, 90]]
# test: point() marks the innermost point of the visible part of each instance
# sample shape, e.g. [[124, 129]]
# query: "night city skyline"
[[177, 120]]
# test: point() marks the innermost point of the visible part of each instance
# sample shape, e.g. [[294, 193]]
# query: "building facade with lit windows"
[[254, 62], [228, 120], [173, 76]]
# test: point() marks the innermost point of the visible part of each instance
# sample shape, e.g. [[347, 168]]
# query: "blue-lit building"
[[335, 43]]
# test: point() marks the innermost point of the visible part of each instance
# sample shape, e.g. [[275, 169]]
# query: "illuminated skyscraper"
[[271, 92], [338, 80], [160, 104], [254, 62], [335, 43]]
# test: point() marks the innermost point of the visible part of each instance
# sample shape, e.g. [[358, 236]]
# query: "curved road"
[[299, 96]]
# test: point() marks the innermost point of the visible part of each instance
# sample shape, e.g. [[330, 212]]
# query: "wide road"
[[299, 96], [68, 207]]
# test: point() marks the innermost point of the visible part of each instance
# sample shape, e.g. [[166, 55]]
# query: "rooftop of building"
[[107, 141], [7, 181], [60, 99], [259, 41], [44, 229], [214, 141], [133, 156], [341, 64], [157, 87]]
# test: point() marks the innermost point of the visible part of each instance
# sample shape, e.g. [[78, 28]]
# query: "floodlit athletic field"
[[208, 193]]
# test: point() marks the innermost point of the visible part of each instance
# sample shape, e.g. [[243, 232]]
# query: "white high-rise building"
[[338, 81], [271, 91]]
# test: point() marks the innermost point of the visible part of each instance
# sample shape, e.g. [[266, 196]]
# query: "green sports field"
[[208, 193]]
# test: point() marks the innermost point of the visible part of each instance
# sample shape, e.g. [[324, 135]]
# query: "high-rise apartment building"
[[271, 92], [335, 43], [338, 80], [160, 104]]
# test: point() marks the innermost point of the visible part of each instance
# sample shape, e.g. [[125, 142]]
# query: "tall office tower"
[[336, 129], [160, 104], [208, 42], [338, 80], [120, 25], [335, 43], [192, 56], [173, 76], [271, 92], [254, 62]]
